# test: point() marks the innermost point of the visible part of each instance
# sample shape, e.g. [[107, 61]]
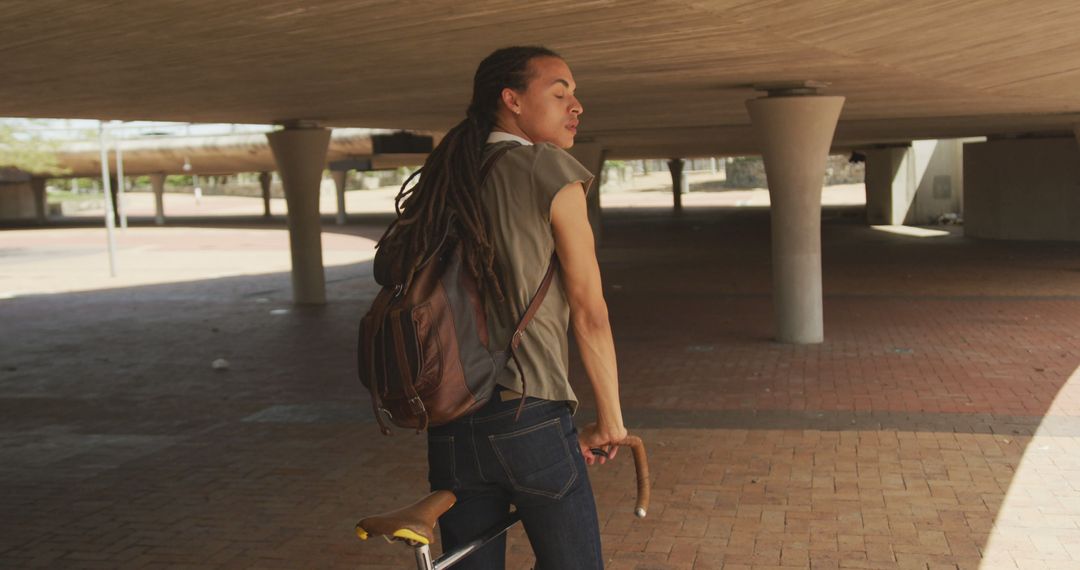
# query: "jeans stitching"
[[509, 474]]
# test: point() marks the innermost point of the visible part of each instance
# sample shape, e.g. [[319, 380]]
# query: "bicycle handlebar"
[[641, 467]]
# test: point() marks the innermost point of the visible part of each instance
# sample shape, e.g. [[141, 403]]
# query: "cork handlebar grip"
[[641, 466]]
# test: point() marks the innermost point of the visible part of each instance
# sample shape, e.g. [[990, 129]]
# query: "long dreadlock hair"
[[446, 199]]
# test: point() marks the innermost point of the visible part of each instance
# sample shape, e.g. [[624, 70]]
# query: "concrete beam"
[[300, 154], [795, 133]]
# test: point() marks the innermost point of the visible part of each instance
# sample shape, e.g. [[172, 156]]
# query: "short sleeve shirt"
[[518, 194]]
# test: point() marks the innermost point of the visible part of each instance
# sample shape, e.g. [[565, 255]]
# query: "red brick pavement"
[[935, 428]]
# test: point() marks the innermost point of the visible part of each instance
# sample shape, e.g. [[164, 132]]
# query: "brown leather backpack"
[[423, 351]]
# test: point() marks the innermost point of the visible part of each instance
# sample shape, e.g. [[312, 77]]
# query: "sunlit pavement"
[[650, 191], [937, 426]]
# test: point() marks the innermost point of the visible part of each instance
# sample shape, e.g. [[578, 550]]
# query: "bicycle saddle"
[[414, 524]]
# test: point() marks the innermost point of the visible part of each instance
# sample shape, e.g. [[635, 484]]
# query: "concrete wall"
[[914, 184], [1023, 189], [17, 201], [939, 171]]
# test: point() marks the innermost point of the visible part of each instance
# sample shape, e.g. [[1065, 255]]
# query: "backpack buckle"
[[416, 406]]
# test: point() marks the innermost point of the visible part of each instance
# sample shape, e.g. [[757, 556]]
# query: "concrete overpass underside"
[[661, 78]]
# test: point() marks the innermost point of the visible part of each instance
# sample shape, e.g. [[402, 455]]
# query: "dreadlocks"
[[446, 199]]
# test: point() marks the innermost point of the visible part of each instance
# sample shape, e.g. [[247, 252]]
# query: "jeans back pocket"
[[537, 459]]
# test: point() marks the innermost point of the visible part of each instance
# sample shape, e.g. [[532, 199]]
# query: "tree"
[[27, 152]]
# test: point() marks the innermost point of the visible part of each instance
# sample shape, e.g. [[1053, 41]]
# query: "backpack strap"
[[416, 405], [495, 156], [534, 305], [519, 332], [378, 312]]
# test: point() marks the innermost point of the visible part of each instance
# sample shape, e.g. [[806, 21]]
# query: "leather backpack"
[[422, 350]]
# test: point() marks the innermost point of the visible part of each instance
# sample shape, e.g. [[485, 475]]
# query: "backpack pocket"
[[429, 352]]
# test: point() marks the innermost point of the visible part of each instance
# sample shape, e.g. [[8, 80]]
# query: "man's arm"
[[580, 273]]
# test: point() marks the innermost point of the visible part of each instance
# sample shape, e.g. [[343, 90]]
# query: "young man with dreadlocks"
[[531, 204]]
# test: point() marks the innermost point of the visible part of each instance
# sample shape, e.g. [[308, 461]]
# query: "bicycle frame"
[[422, 552], [448, 559]]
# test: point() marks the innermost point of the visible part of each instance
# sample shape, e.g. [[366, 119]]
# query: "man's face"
[[549, 109]]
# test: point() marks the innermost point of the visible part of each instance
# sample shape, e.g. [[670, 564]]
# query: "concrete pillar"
[[675, 167], [914, 184], [340, 178], [888, 185], [37, 187], [114, 191], [264, 180], [592, 155], [300, 154], [795, 133], [157, 182]]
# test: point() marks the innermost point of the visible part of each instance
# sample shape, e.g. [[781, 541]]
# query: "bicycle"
[[415, 525]]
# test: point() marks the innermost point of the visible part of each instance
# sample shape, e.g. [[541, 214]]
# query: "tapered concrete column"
[[264, 180], [114, 190], [300, 154], [794, 134], [591, 155], [340, 178], [675, 167], [157, 182], [37, 186]]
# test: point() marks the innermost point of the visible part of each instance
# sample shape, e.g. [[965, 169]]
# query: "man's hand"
[[592, 437]]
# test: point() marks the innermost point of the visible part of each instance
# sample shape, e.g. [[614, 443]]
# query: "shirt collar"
[[501, 136]]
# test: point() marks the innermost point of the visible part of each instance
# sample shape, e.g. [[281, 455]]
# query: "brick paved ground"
[[937, 427]]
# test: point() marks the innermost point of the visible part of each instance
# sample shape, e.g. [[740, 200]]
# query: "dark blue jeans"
[[491, 462]]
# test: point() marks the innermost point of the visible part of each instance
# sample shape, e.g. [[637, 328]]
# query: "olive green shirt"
[[518, 194]]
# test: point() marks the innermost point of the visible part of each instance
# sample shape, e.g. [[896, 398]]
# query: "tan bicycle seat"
[[415, 523]]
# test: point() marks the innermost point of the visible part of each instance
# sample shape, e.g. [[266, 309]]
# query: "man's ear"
[[510, 100]]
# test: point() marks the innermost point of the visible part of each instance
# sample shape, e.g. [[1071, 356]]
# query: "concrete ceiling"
[[657, 78]]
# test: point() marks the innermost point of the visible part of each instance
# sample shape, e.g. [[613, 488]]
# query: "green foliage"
[[178, 180], [58, 196], [28, 153], [745, 172]]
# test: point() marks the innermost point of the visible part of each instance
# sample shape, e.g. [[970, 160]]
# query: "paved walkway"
[[937, 427]]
